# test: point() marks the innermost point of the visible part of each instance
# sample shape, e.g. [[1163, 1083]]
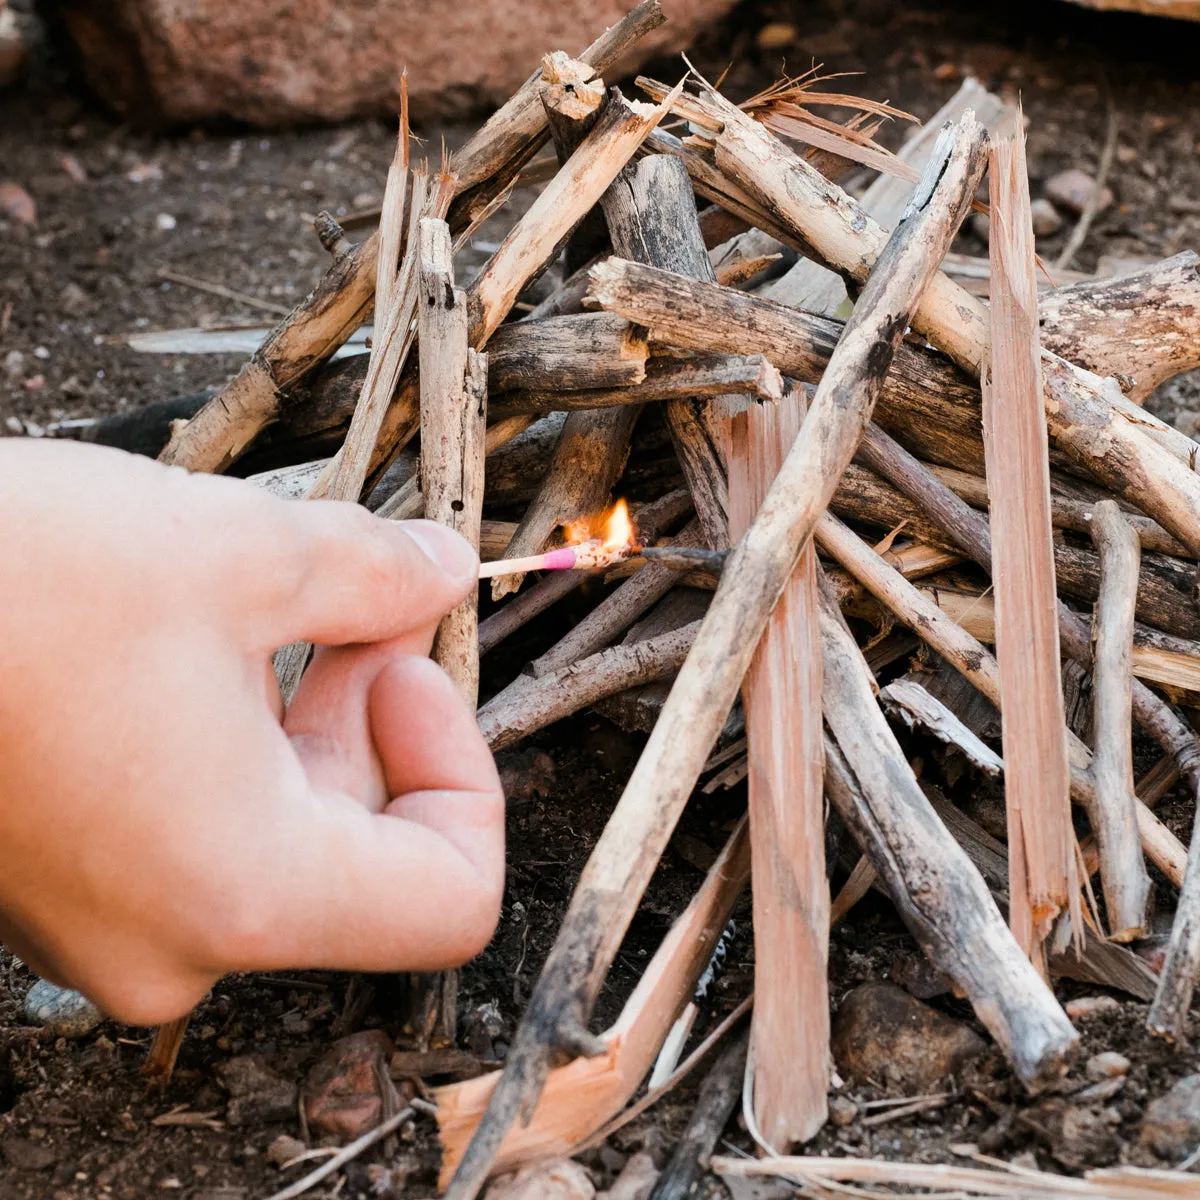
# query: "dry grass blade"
[[1043, 877]]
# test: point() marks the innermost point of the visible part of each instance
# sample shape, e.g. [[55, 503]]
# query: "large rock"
[[279, 62], [1171, 1126]]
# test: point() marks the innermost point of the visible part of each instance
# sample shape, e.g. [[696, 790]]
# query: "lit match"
[[589, 551]]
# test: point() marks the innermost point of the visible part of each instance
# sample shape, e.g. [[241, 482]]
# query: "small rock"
[[635, 1182], [1108, 1065], [1099, 1093], [17, 204], [776, 35], [557, 1179], [144, 173], [60, 1011], [1046, 221], [1072, 189], [285, 1148], [918, 976], [341, 1093], [258, 1093], [881, 1033], [1171, 1127], [842, 1111], [482, 1026], [23, 1154], [1084, 1008], [165, 222], [14, 364], [73, 300], [528, 775], [1077, 1137]]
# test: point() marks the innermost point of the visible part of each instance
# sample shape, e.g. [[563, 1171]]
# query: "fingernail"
[[451, 552]]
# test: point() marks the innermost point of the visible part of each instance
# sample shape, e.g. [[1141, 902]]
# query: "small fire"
[[612, 529]]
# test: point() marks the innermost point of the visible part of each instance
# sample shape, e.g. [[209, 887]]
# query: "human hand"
[[161, 823]]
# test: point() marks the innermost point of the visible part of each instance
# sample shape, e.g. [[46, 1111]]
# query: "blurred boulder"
[[284, 62]]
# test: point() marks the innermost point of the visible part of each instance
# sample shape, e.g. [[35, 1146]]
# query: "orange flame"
[[612, 527]]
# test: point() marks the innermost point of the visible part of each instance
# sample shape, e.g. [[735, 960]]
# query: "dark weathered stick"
[[672, 380], [529, 704], [719, 1094], [947, 907], [624, 859], [1114, 814], [651, 214], [588, 350]]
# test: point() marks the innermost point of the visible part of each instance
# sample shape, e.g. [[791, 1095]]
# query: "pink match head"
[[559, 560]]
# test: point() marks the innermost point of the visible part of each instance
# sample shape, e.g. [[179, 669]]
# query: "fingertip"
[[447, 550]]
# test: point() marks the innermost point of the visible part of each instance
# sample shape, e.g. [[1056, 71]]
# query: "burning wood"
[[981, 460]]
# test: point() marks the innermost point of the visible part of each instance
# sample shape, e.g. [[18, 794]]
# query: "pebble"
[[73, 300], [1071, 189], [1046, 220], [341, 1092], [60, 1011], [842, 1112], [776, 35], [1108, 1065], [17, 204], [635, 1182], [285, 1148], [24, 1154], [1171, 1126], [557, 1179], [165, 221], [1078, 1137], [881, 1033], [257, 1093], [1084, 1008]]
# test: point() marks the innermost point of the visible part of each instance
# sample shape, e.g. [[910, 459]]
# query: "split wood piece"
[[391, 218], [947, 907], [453, 419], [616, 612], [529, 247], [1065, 512], [1114, 815], [816, 289], [911, 703], [573, 98], [1143, 328], [651, 215], [346, 474], [1083, 419], [673, 380], [488, 163], [652, 521], [1168, 1015], [529, 704], [164, 1050], [584, 1095], [781, 696], [222, 430], [1043, 874], [574, 353], [624, 858], [718, 1097]]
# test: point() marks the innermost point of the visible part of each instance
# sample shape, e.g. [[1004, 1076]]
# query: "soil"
[[117, 207]]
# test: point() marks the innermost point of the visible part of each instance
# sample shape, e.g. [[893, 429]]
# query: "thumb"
[[356, 577]]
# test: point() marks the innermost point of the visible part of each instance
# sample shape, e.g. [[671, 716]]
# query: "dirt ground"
[[116, 208]]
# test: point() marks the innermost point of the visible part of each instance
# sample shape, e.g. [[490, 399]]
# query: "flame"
[[612, 527]]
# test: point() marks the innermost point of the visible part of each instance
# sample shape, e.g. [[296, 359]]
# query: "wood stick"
[[1114, 815], [948, 908], [1080, 415], [346, 474], [651, 214], [1168, 1015], [1043, 880], [672, 380], [584, 1095], [719, 1094], [1143, 328], [453, 419], [781, 695], [623, 860], [528, 704], [615, 613], [573, 353], [391, 218]]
